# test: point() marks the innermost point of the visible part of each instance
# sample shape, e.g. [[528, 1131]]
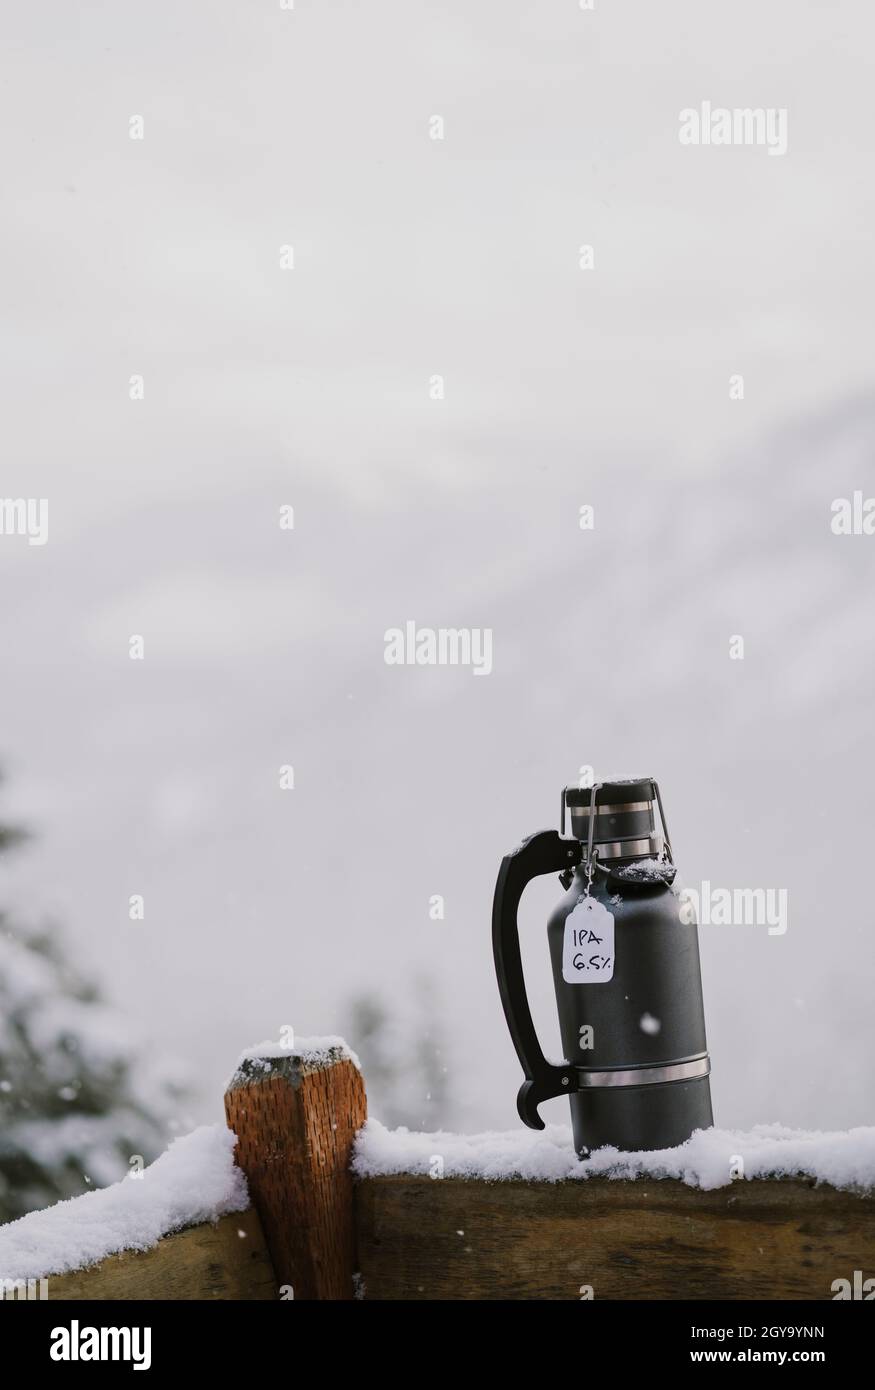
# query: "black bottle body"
[[648, 1015]]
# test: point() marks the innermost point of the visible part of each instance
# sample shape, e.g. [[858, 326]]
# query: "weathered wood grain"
[[295, 1125], [457, 1239], [228, 1260]]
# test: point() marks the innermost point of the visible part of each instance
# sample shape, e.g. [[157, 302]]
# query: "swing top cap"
[[618, 818]]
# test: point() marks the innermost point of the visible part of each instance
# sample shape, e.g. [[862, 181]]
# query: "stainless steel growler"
[[626, 971]]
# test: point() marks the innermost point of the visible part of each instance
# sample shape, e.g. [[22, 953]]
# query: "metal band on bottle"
[[689, 1070]]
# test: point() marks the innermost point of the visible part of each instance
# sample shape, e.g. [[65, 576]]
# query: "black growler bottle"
[[626, 969]]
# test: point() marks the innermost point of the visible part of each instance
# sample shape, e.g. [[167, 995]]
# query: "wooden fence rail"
[[315, 1233]]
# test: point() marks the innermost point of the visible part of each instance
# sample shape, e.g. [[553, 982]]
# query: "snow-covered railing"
[[182, 1228], [325, 1204]]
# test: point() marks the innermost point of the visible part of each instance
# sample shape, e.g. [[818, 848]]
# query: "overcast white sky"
[[310, 387]]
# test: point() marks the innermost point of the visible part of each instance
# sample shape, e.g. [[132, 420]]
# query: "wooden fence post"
[[295, 1115]]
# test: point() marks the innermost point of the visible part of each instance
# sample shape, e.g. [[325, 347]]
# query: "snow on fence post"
[[295, 1112]]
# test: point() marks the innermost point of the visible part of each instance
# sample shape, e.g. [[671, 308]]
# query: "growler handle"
[[542, 853]]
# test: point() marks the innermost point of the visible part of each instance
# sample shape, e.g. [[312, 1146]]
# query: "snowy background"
[[269, 908]]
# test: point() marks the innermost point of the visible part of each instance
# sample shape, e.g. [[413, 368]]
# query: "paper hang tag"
[[588, 947]]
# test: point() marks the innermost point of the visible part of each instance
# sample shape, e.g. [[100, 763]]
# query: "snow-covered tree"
[[76, 1107]]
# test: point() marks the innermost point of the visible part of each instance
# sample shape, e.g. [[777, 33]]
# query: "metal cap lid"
[[617, 818], [619, 792]]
